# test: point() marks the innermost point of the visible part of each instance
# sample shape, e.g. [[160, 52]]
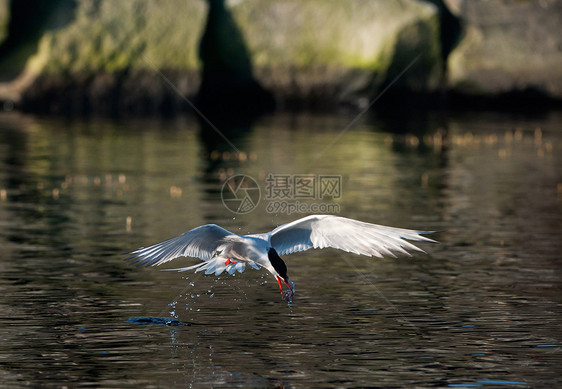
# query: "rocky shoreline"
[[145, 56]]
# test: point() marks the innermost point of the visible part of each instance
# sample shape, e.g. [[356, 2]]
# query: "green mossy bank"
[[114, 55], [143, 55]]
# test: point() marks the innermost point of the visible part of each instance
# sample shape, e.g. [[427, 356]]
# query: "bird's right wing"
[[320, 231], [201, 242]]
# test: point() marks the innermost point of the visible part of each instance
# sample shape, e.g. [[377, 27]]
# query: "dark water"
[[483, 308]]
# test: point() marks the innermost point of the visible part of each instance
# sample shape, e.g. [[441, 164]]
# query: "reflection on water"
[[483, 308]]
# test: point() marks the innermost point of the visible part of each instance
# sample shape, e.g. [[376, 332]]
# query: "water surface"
[[482, 308]]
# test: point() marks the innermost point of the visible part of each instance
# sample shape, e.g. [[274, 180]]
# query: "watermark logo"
[[240, 194], [284, 193]]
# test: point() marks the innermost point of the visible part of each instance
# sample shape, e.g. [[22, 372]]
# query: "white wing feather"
[[320, 231], [316, 231], [200, 242]]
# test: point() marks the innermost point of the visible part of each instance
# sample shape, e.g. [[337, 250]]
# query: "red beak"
[[279, 279]]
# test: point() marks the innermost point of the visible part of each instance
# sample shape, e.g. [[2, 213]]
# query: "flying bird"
[[222, 250]]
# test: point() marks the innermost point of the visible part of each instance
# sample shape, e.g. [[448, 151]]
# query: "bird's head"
[[280, 273]]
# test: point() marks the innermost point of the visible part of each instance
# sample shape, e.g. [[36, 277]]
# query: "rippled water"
[[483, 308]]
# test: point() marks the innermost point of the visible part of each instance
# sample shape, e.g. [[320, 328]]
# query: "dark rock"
[[511, 50], [141, 55], [321, 53]]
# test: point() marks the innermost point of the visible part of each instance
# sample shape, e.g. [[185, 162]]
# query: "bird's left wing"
[[320, 231], [200, 242]]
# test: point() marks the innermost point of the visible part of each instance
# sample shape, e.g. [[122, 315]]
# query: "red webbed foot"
[[229, 261]]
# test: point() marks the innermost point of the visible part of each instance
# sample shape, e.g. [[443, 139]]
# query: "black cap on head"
[[277, 263]]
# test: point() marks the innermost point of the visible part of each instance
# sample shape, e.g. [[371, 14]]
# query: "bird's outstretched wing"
[[200, 242], [320, 231]]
